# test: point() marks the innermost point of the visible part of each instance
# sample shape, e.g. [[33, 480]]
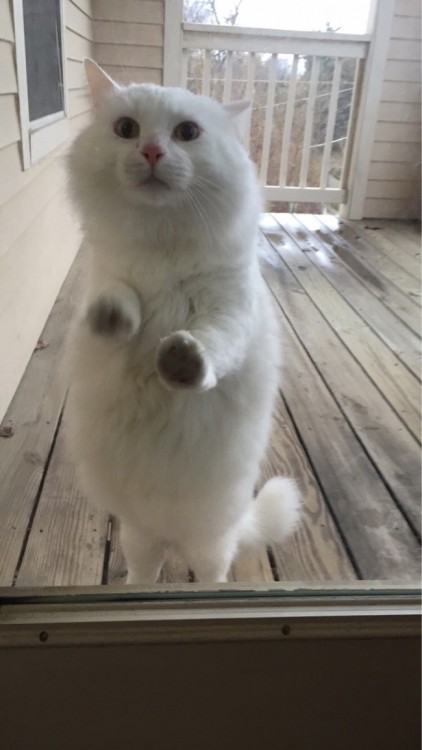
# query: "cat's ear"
[[234, 109], [238, 115], [99, 82]]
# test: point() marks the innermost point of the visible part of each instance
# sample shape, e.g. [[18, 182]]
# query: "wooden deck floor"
[[347, 423]]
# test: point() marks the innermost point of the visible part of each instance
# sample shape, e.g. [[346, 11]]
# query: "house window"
[[39, 35]]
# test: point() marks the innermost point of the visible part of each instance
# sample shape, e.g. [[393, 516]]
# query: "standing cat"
[[173, 364]]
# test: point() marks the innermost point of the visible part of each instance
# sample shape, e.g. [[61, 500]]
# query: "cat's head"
[[159, 146]]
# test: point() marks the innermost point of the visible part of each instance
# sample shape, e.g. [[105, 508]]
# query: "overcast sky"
[[304, 15]]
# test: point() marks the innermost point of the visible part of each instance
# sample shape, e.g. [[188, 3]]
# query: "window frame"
[[41, 136], [167, 613]]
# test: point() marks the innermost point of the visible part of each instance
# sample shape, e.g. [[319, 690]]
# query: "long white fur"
[[177, 465]]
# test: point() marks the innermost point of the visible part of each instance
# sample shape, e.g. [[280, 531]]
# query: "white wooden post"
[[380, 26], [173, 43]]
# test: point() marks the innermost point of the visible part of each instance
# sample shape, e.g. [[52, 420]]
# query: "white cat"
[[173, 365]]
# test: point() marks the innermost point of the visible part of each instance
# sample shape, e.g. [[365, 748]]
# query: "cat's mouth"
[[154, 183]]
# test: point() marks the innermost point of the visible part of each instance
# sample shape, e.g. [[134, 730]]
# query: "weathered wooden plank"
[[377, 232], [403, 306], [34, 413], [67, 540], [251, 567], [329, 285], [384, 243], [316, 551], [400, 339], [376, 532], [407, 236], [391, 447]]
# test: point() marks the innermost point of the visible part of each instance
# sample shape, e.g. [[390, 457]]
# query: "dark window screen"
[[43, 57]]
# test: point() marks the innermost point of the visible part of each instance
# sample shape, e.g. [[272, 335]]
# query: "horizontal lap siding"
[[39, 235], [393, 189], [129, 39]]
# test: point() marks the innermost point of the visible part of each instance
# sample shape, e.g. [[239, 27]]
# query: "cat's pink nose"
[[152, 153]]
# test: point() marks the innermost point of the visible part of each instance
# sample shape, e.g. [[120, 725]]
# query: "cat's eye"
[[186, 131], [127, 128]]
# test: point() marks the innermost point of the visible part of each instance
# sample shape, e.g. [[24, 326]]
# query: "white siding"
[[129, 39], [393, 187], [38, 234]]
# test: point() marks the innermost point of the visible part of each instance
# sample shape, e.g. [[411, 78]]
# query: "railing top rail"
[[273, 41], [275, 33]]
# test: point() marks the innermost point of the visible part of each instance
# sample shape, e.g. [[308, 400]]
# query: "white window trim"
[[39, 137]]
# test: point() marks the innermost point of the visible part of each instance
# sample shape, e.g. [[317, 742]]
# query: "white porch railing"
[[304, 91], [315, 98]]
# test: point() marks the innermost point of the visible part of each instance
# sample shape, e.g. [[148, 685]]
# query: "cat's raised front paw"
[[108, 317], [182, 363]]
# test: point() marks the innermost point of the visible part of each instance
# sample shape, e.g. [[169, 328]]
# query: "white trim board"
[[42, 136], [381, 19]]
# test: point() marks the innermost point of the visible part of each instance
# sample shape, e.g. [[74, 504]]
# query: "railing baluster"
[[228, 75], [185, 62], [206, 75], [250, 91], [268, 118], [288, 121], [307, 136], [331, 121], [351, 125]]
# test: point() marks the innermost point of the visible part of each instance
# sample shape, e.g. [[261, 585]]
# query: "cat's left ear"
[[237, 112], [99, 82], [234, 109]]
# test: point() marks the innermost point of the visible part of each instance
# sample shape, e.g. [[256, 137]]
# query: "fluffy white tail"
[[274, 514]]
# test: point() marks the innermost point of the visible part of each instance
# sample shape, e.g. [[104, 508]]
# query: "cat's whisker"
[[200, 213], [200, 182]]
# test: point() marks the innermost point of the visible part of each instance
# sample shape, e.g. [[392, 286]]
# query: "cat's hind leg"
[[210, 561], [144, 558]]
